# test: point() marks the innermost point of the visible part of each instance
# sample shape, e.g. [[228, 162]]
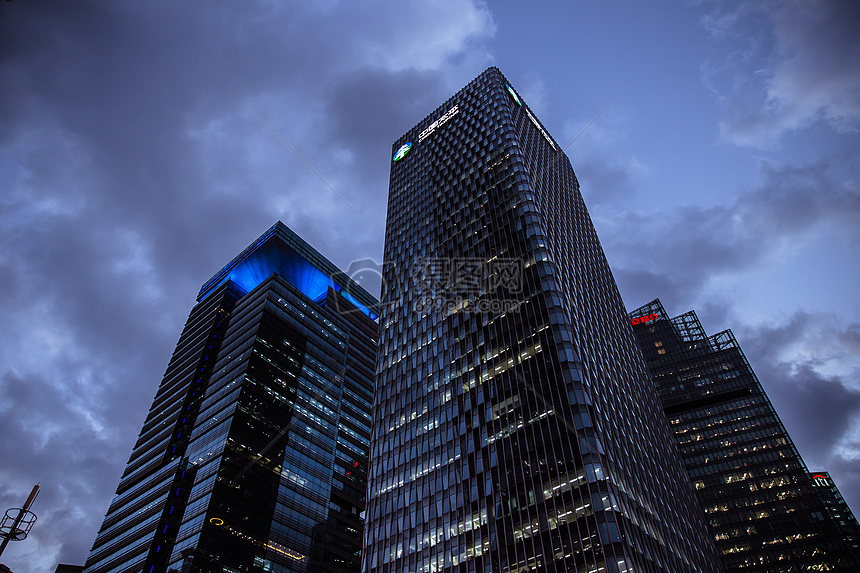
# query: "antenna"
[[593, 120]]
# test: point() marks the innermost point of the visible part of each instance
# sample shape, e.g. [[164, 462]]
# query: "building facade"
[[516, 427], [253, 456], [759, 500], [837, 508]]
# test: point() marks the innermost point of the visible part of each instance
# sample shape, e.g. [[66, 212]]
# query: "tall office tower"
[[837, 508], [516, 427], [254, 454], [758, 498]]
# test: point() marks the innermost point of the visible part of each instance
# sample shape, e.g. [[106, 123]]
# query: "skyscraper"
[[759, 500], [837, 509], [253, 456], [516, 427]]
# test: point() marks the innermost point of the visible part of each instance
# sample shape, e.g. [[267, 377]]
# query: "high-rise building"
[[837, 508], [758, 497], [516, 427], [253, 456]]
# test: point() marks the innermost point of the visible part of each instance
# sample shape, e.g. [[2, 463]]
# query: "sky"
[[724, 178]]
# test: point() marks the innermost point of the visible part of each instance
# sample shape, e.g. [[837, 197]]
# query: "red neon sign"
[[819, 476], [647, 318]]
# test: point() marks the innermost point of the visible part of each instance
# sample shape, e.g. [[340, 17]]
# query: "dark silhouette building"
[[253, 456], [755, 490], [516, 427], [837, 508]]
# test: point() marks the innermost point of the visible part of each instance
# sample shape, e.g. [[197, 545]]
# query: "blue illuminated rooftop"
[[279, 250]]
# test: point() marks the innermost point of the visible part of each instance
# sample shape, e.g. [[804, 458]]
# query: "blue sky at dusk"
[[724, 178]]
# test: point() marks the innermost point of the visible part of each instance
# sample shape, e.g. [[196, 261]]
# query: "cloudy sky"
[[725, 178]]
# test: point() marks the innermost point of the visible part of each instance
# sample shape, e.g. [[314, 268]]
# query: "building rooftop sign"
[[646, 318], [441, 121], [540, 129]]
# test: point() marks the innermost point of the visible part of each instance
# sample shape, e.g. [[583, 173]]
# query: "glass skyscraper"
[[759, 500], [516, 427], [837, 508], [254, 454]]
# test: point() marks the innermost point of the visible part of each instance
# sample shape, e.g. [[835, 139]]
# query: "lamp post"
[[18, 521]]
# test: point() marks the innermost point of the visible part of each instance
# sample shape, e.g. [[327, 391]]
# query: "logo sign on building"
[[646, 318], [402, 152], [513, 94], [441, 121], [540, 129]]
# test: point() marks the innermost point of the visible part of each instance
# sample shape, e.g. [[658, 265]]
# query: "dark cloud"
[[606, 176], [368, 102], [678, 251], [68, 436], [604, 179], [636, 284], [817, 410], [782, 66], [821, 411], [131, 171]]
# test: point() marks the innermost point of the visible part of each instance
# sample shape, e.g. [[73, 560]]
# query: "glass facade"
[[837, 508], [516, 427], [758, 497], [254, 454]]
